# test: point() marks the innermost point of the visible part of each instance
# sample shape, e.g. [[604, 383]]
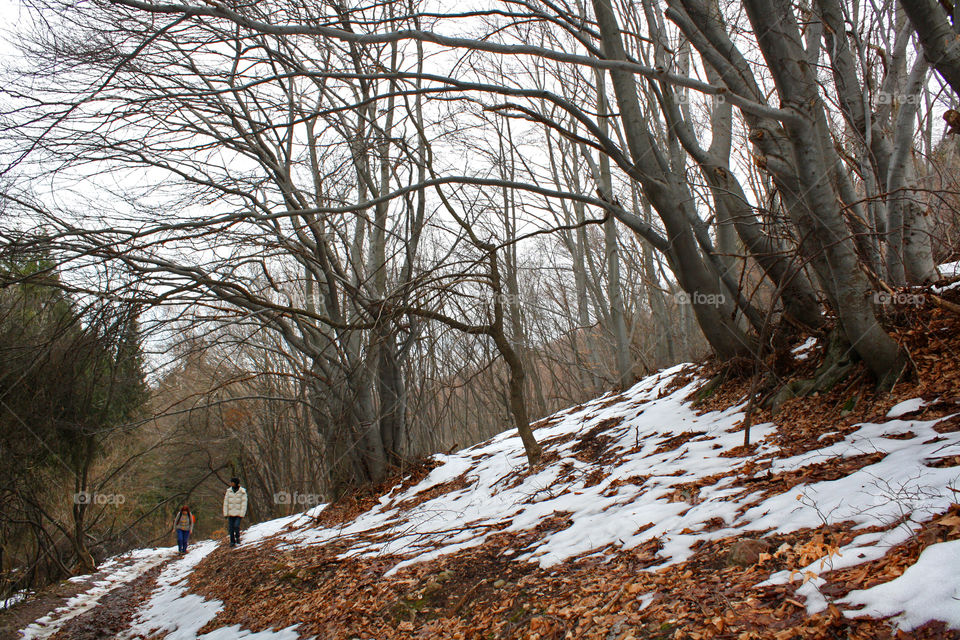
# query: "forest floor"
[[83, 598], [648, 517], [38, 605]]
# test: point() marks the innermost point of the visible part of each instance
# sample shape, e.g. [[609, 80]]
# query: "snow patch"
[[802, 352], [928, 590], [905, 407], [115, 571], [949, 269], [635, 467], [259, 532], [14, 599], [180, 615], [651, 447]]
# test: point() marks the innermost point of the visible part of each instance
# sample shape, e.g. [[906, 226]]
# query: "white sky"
[[10, 11]]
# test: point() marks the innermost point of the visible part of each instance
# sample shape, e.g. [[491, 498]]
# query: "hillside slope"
[[647, 519]]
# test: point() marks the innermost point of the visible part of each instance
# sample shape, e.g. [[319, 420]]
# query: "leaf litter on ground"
[[649, 519]]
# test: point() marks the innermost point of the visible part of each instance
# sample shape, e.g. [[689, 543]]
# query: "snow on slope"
[[629, 468], [115, 571], [180, 615], [645, 495], [170, 609], [948, 270], [929, 590], [466, 517]]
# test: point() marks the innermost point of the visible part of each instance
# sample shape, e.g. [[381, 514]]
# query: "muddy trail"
[[114, 612], [100, 605], [37, 606]]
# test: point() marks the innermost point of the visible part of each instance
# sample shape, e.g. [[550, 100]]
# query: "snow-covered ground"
[[898, 492], [179, 615], [948, 270], [803, 351], [116, 571], [628, 468], [14, 599], [462, 518], [170, 609], [262, 530], [929, 590]]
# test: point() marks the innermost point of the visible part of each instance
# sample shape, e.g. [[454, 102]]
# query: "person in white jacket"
[[234, 508]]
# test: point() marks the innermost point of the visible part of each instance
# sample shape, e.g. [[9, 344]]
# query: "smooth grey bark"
[[517, 379], [908, 229], [391, 388], [796, 154], [902, 225], [511, 278], [373, 460], [615, 295], [667, 195], [677, 158], [721, 138], [575, 241], [618, 325], [374, 174], [941, 46], [778, 35], [666, 351], [701, 24], [799, 298]]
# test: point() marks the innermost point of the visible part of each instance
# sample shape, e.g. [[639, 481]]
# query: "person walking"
[[234, 509], [183, 525]]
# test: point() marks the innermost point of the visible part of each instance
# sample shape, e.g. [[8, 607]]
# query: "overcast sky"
[[9, 16]]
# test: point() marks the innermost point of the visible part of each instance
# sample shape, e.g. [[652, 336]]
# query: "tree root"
[[708, 389], [838, 360]]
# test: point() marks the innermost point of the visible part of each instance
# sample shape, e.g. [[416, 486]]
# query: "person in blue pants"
[[234, 509], [183, 525]]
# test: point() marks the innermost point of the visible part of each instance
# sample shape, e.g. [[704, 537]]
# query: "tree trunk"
[[938, 38], [517, 377], [392, 391], [779, 37], [713, 309]]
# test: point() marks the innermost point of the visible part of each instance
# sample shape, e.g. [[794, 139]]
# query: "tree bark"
[[939, 39], [779, 38], [712, 307]]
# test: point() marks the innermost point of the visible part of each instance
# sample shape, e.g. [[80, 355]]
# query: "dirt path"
[[35, 607], [106, 598], [113, 613]]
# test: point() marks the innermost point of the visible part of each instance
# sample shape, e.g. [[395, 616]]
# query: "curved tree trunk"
[[714, 310], [938, 38], [846, 286], [516, 398]]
